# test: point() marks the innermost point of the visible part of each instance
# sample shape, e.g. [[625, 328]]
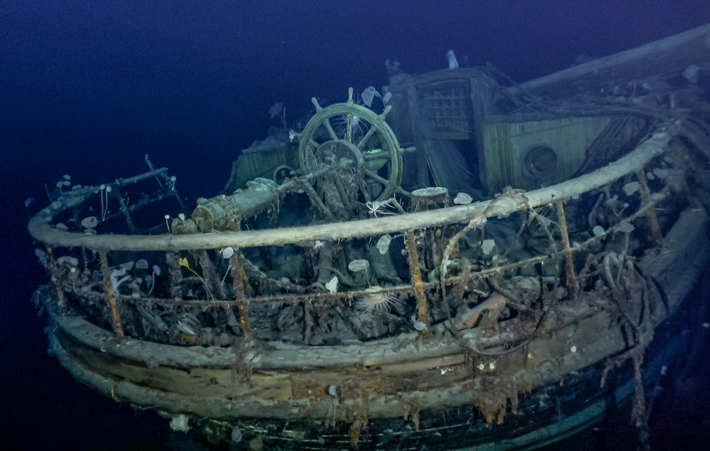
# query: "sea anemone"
[[377, 300]]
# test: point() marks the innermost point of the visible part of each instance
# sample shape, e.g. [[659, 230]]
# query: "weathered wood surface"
[[199, 381], [672, 54], [386, 389], [506, 143], [677, 267]]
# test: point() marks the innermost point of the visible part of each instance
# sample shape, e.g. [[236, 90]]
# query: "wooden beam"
[[41, 229], [672, 54]]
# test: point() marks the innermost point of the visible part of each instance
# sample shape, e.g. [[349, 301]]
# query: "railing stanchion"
[[110, 298], [569, 263], [53, 268], [240, 297], [651, 211], [416, 273]]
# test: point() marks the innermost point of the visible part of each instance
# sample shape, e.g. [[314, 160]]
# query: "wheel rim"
[[365, 138]]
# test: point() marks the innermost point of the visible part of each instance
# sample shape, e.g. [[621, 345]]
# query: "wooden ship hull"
[[506, 323]]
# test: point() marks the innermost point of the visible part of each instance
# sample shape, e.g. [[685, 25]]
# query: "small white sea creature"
[[631, 188], [115, 281], [275, 109], [368, 95], [332, 286], [598, 231], [67, 260], [180, 423], [377, 300], [227, 252], [462, 199], [188, 324], [358, 265], [90, 222], [691, 73], [453, 62], [383, 244], [488, 246], [236, 434], [376, 207], [625, 227]]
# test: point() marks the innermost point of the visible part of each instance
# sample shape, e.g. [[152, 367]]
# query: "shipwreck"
[[457, 261]]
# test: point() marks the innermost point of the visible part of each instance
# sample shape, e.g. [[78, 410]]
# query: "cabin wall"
[[263, 163], [505, 144]]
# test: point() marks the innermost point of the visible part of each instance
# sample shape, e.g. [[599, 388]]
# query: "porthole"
[[540, 162]]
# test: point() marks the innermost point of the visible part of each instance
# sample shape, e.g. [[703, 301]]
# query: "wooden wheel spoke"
[[349, 127], [365, 138], [326, 123], [374, 176]]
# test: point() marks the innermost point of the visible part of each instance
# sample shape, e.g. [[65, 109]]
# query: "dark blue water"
[[88, 88]]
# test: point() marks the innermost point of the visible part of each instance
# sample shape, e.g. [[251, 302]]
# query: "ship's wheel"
[[355, 142]]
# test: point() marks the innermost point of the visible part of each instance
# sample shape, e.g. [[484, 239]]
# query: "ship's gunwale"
[[674, 269]]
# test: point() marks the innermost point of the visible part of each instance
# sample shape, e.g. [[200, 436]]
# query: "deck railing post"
[[126, 213], [416, 273], [651, 211], [172, 258], [569, 263], [110, 298], [53, 268], [240, 297]]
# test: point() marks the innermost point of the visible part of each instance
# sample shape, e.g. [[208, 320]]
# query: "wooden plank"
[[672, 54], [185, 380], [481, 98], [422, 165]]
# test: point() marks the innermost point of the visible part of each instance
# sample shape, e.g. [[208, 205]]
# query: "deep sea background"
[[87, 88]]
